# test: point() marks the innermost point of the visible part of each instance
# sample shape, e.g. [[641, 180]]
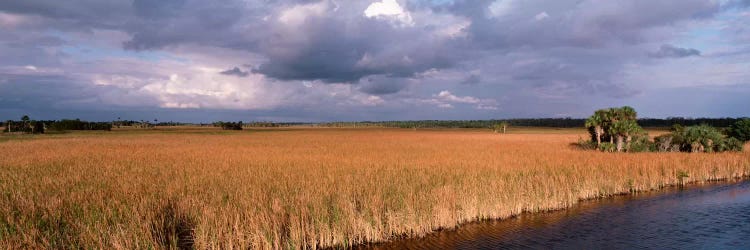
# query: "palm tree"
[[25, 126], [628, 113], [624, 130], [597, 121]]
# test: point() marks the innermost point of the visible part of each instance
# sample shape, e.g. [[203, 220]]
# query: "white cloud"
[[449, 97], [296, 15], [389, 10], [519, 54], [446, 99], [180, 105], [486, 107], [200, 87], [180, 83], [453, 28], [372, 100], [541, 16], [500, 8]]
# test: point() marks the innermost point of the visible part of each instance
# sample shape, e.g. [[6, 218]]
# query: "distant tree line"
[[146, 124], [229, 125], [25, 126], [670, 121], [28, 126], [529, 122], [264, 124], [501, 127], [77, 124], [538, 122], [617, 129]]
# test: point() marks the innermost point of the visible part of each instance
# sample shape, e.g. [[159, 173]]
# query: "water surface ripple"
[[713, 216]]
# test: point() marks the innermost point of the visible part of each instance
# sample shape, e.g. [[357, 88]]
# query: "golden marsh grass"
[[305, 188]]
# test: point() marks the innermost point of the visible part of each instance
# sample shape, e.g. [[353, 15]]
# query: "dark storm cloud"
[[328, 47], [344, 49], [158, 9], [670, 51], [236, 71], [73, 15], [335, 46], [576, 23], [195, 22], [570, 48], [472, 79], [542, 50], [79, 10], [379, 85], [30, 48]]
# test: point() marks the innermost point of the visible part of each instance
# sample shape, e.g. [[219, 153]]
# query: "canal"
[[709, 216]]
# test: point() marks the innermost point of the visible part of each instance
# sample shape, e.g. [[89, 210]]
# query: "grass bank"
[[306, 188]]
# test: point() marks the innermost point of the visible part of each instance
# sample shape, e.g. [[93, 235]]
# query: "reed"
[[305, 188]]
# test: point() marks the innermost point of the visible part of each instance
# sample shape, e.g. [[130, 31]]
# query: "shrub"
[[664, 143], [38, 127], [740, 130], [229, 125], [641, 143], [731, 144], [24, 126], [607, 147], [702, 138], [76, 124]]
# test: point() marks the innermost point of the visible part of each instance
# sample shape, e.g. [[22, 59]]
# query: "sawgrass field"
[[183, 187]]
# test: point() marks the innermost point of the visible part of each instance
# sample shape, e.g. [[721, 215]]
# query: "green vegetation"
[[77, 124], [28, 126], [521, 122], [701, 138], [25, 126], [740, 130], [229, 125], [502, 126], [619, 126]]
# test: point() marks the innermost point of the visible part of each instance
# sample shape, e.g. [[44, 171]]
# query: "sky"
[[356, 60]]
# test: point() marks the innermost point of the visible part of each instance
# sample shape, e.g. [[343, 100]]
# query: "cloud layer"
[[370, 60]]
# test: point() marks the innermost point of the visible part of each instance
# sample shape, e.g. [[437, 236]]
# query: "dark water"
[[703, 217]]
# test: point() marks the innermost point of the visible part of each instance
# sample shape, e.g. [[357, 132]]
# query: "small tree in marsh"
[[624, 131], [26, 124], [740, 130], [596, 123], [502, 126], [702, 138], [615, 124]]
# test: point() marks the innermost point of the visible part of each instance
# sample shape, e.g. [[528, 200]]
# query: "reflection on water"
[[704, 217]]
